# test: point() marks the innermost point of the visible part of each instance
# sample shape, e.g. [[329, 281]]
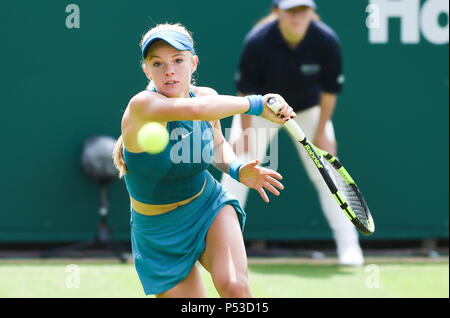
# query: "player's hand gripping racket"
[[339, 181]]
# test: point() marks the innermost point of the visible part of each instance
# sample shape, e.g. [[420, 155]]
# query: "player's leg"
[[191, 287], [344, 233], [225, 257]]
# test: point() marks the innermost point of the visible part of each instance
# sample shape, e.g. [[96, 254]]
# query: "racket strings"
[[350, 194]]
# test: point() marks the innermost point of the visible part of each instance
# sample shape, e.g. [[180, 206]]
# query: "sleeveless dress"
[[166, 246]]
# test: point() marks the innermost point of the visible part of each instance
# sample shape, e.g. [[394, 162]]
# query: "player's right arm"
[[151, 106], [245, 119]]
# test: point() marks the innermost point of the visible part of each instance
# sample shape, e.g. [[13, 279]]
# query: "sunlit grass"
[[267, 280]]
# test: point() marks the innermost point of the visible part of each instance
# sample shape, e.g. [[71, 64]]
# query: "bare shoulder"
[[204, 91], [139, 103], [132, 119], [141, 97]]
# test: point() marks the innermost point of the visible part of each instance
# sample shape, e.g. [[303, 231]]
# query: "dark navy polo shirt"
[[269, 65]]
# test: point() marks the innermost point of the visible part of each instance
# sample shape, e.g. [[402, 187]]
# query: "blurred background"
[[62, 85]]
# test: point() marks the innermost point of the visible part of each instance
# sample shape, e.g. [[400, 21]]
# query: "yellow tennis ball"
[[153, 137]]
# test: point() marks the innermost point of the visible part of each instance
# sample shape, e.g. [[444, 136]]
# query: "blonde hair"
[[272, 16], [166, 26], [119, 161]]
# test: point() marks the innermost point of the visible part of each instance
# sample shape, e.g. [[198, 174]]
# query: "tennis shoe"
[[351, 256]]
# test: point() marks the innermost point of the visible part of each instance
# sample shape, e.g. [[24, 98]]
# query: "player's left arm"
[[250, 174], [223, 153]]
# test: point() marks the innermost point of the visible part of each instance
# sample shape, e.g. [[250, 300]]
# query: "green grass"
[[269, 280]]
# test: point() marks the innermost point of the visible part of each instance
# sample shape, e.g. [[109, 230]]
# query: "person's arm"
[[331, 80], [156, 107], [223, 153], [327, 105], [246, 122], [241, 144], [249, 174], [249, 78]]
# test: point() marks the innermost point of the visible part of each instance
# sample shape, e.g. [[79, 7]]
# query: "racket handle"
[[290, 125], [273, 104], [295, 130]]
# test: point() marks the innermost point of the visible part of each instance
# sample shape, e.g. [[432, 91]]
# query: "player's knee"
[[233, 287]]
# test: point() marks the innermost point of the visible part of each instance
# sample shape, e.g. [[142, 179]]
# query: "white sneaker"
[[351, 256]]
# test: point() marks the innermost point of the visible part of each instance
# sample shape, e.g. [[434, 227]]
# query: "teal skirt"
[[166, 246]]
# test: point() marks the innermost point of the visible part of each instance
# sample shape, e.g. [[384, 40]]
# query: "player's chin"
[[171, 92], [176, 90]]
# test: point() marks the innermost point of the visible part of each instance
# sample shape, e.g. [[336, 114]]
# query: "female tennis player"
[[291, 53], [179, 213]]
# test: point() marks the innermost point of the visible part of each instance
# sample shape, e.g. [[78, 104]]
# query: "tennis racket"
[[342, 186]]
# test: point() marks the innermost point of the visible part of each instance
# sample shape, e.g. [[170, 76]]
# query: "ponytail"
[[272, 16], [119, 162]]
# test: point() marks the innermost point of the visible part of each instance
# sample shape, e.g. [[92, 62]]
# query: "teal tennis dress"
[[166, 246]]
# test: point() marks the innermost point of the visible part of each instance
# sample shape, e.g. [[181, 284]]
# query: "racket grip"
[[294, 130], [273, 104], [290, 124]]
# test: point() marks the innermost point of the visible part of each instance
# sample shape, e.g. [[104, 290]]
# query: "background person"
[[292, 53]]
